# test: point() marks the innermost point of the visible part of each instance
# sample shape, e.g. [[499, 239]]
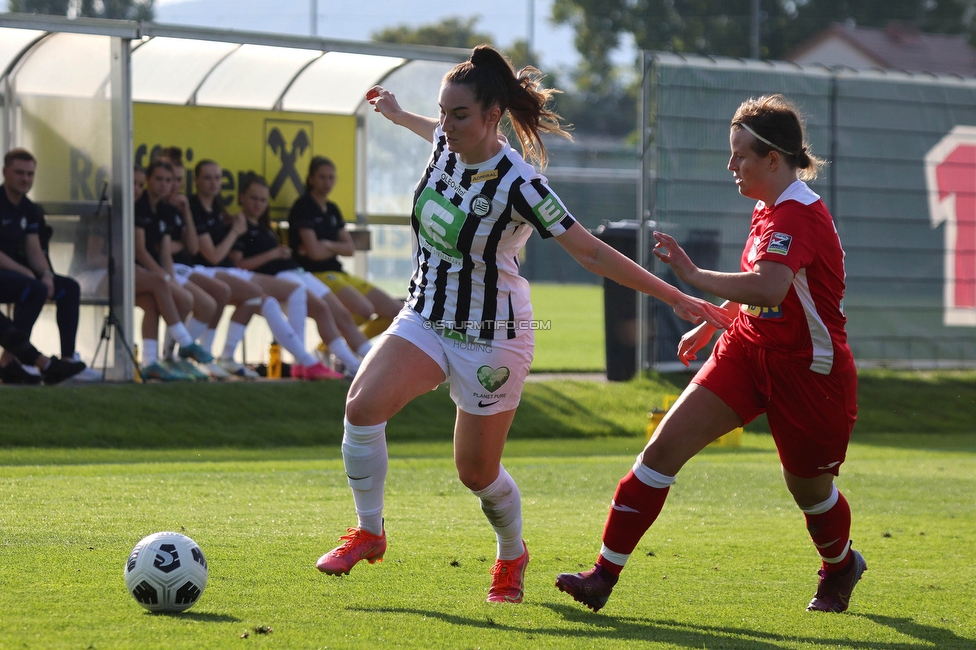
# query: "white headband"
[[762, 139]]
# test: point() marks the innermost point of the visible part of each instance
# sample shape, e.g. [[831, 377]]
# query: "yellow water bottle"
[[136, 370], [274, 361]]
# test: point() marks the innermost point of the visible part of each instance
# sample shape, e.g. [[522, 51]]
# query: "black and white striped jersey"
[[469, 224]]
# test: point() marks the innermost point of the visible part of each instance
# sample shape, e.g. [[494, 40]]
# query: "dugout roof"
[[67, 89]]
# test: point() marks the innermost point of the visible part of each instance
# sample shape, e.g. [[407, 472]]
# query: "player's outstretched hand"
[[697, 310], [383, 102], [693, 341], [667, 250]]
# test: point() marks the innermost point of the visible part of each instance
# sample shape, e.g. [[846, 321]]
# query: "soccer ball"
[[166, 572]]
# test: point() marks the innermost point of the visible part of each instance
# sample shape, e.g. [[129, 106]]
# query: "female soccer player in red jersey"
[[785, 355]]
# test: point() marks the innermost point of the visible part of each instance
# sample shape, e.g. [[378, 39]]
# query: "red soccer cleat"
[[508, 579]]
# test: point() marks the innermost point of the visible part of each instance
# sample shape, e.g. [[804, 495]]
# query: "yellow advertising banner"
[[71, 139], [274, 144]]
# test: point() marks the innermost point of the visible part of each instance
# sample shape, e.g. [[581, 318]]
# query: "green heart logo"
[[493, 378]]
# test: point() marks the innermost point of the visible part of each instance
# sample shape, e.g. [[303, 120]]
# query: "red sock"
[[635, 507], [831, 534]]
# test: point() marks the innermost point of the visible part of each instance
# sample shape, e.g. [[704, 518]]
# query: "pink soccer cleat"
[[320, 371], [359, 545]]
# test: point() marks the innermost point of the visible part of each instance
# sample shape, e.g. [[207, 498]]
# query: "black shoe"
[[59, 370], [14, 373]]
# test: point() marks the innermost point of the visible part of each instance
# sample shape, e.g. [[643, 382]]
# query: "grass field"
[[575, 340], [86, 472], [728, 565]]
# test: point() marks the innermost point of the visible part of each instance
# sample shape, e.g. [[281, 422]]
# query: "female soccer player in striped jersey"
[[785, 355], [468, 316]]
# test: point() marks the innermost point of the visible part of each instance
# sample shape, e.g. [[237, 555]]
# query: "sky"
[[506, 20]]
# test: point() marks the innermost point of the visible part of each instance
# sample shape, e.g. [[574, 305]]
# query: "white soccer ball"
[[166, 572]]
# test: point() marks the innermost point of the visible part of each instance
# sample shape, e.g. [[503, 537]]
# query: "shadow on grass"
[[200, 617], [687, 635], [545, 411], [255, 415]]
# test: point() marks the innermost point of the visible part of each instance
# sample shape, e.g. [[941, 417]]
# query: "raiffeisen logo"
[[950, 178]]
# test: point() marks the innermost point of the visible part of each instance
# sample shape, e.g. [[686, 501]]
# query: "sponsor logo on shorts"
[[830, 465], [479, 345], [493, 378], [779, 243], [484, 404]]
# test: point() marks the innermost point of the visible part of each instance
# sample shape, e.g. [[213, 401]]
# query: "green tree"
[[454, 32], [724, 27], [609, 112], [450, 32], [119, 9]]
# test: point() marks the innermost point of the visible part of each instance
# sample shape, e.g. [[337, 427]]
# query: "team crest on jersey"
[[779, 243], [480, 206]]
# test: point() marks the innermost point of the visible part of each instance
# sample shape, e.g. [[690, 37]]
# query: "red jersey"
[[799, 232]]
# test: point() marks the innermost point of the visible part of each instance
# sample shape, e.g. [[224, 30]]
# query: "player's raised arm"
[[386, 104], [598, 257]]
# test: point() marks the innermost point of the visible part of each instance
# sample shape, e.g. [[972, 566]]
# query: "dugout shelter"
[[90, 98]]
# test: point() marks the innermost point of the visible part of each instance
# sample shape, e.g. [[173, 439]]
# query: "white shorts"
[[302, 277], [486, 376], [182, 272], [242, 274]]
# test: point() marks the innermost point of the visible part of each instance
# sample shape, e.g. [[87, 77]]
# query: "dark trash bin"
[[620, 304], [665, 329]]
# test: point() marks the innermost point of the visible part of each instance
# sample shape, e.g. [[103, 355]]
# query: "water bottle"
[[274, 361]]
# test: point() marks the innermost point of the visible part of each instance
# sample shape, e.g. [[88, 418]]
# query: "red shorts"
[[810, 415]]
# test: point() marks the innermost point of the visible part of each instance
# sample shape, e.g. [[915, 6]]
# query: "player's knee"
[[474, 476], [68, 289], [361, 410], [34, 291]]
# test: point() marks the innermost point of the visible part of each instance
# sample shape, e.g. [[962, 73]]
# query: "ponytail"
[[521, 94]]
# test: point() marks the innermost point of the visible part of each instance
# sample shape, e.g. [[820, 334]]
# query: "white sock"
[[502, 504], [340, 348], [150, 351], [235, 332], [206, 341], [179, 333], [283, 332], [297, 308], [365, 459], [364, 349]]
